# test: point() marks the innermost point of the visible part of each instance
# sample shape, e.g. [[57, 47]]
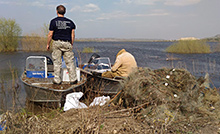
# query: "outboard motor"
[[95, 55]]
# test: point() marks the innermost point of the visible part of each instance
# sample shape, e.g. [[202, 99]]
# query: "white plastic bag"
[[72, 101], [100, 101]]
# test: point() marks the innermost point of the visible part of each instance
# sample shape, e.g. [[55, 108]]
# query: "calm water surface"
[[147, 54]]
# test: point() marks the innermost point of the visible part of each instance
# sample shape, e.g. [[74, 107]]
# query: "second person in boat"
[[124, 64]]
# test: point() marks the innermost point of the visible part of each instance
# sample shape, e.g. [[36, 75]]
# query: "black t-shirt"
[[62, 28]]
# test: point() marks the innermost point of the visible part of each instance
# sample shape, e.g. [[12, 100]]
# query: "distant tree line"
[[214, 39]]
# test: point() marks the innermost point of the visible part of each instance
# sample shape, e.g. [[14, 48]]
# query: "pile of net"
[[171, 99], [151, 102]]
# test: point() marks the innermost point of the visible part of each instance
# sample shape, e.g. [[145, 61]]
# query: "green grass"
[[88, 50], [189, 47]]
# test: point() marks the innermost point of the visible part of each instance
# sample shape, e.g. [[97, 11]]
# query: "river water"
[[147, 54]]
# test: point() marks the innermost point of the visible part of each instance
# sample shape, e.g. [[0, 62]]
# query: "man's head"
[[61, 9]]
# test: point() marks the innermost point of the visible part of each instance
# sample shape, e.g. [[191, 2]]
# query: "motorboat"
[[94, 69], [38, 81]]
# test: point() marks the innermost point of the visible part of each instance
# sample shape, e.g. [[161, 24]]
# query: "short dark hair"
[[61, 9]]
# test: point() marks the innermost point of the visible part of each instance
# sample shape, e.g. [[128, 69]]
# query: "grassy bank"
[[189, 47], [89, 50]]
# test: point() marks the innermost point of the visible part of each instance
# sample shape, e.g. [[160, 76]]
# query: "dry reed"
[[34, 42]]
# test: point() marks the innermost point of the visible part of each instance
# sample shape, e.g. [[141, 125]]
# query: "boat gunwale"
[[51, 89], [87, 72]]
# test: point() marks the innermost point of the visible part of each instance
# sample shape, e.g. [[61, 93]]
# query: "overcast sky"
[[147, 19]]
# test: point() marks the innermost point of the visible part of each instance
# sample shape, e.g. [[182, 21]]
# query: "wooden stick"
[[115, 96], [124, 110]]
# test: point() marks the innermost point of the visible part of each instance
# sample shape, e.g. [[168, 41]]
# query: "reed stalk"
[[3, 98]]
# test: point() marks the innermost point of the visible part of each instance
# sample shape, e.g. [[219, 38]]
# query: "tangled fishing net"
[[175, 101]]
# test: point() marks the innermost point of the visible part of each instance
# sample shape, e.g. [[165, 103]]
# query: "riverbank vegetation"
[[34, 42], [189, 47], [10, 91], [9, 34], [152, 101], [89, 50]]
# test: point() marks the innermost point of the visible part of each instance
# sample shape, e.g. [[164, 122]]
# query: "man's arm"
[[72, 36], [49, 38], [117, 64]]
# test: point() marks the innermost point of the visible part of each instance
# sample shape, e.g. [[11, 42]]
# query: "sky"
[[127, 19]]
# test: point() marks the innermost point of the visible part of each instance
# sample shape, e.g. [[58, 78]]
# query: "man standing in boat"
[[62, 31]]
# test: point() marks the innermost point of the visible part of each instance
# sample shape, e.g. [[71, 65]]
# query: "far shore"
[[136, 40], [119, 39], [132, 39]]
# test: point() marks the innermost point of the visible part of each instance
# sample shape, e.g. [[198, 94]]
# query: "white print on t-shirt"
[[62, 24]]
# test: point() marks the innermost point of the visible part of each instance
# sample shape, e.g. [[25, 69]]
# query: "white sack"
[[100, 101], [72, 101]]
